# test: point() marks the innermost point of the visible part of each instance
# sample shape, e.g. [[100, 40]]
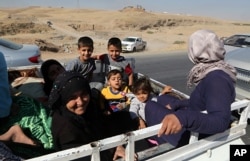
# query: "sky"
[[236, 10]]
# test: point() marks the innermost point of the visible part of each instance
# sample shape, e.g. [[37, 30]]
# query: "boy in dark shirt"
[[113, 60]]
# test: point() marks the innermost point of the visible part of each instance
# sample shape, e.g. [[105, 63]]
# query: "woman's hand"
[[142, 124], [170, 125]]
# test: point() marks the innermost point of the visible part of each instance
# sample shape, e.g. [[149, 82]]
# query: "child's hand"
[[106, 112], [168, 106], [120, 106], [166, 89], [120, 153], [142, 124]]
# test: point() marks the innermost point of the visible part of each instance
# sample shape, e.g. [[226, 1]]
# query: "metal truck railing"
[[210, 148], [159, 153]]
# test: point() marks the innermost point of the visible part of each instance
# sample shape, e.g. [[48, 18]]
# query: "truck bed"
[[210, 148]]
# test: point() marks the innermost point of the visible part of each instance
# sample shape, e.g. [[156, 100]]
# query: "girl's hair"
[[113, 72], [142, 83], [115, 42]]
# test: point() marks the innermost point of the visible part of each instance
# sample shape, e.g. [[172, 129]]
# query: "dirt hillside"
[[56, 30]]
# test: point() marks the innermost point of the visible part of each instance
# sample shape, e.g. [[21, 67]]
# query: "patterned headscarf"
[[207, 52], [64, 86]]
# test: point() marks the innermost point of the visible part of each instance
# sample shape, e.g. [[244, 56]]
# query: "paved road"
[[170, 68]]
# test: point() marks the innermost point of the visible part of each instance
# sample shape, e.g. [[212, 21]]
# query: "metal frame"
[[193, 149]]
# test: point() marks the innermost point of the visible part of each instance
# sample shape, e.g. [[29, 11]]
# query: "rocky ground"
[[56, 30]]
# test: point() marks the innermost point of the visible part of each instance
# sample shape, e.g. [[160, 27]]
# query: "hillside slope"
[[162, 31]]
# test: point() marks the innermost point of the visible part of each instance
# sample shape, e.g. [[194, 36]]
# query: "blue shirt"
[[5, 97], [214, 94]]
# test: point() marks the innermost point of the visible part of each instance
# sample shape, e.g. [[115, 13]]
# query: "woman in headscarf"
[[214, 93], [50, 69], [77, 118]]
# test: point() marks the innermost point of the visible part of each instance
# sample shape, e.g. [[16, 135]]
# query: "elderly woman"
[[214, 92], [77, 118]]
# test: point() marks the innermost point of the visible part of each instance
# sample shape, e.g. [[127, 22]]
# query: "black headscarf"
[[64, 86], [44, 70]]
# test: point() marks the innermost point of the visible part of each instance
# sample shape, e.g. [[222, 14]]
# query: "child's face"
[[115, 81], [113, 51], [142, 96], [85, 52], [78, 102]]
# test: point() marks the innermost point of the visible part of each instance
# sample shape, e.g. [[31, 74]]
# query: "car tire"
[[134, 49], [144, 47]]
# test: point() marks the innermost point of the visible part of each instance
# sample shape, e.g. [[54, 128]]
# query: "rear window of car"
[[10, 44], [129, 39], [237, 40]]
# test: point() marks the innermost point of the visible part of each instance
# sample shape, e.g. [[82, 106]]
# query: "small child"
[[116, 93], [85, 64], [113, 60], [143, 92]]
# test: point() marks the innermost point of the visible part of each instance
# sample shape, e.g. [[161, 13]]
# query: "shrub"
[[150, 32], [179, 42]]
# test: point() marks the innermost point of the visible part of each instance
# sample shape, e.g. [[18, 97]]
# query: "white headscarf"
[[207, 52]]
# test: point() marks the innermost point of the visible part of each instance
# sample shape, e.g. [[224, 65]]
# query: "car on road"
[[240, 59], [133, 44], [236, 41], [20, 54]]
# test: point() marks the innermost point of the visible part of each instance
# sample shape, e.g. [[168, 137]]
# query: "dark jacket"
[[214, 94], [70, 130]]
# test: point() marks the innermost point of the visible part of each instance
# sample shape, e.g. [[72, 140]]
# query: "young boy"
[[85, 64], [115, 93], [113, 60]]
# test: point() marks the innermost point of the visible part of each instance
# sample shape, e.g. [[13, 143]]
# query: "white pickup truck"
[[133, 44]]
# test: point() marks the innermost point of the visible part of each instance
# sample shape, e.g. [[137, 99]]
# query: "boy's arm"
[[130, 80], [98, 56], [129, 72]]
